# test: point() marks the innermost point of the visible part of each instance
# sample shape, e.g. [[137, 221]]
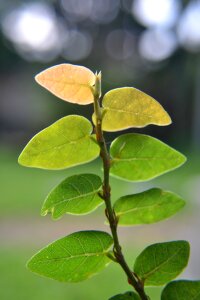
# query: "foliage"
[[136, 157]]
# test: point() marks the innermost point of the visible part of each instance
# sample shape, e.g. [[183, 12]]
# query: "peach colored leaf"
[[68, 82]]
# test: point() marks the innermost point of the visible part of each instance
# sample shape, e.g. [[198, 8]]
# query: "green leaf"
[[126, 296], [128, 107], [162, 262], [66, 143], [77, 194], [73, 258], [182, 290], [147, 207], [139, 157]]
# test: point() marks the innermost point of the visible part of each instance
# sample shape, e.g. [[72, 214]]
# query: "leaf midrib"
[[127, 111], [74, 256], [77, 197], [146, 275], [142, 158], [138, 208], [60, 145], [88, 85]]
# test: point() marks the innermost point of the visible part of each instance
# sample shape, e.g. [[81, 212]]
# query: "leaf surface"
[[66, 143], [147, 207], [139, 157], [73, 258], [68, 82], [126, 296], [77, 194], [128, 107], [182, 290], [162, 262]]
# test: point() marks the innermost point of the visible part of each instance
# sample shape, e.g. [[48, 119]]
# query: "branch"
[[110, 213]]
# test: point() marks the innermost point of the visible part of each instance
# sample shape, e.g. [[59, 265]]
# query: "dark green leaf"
[[162, 262], [73, 258], [66, 143], [182, 290], [147, 207], [139, 157], [126, 296], [77, 194]]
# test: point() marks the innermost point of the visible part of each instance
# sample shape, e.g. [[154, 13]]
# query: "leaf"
[[147, 207], [182, 290], [73, 258], [126, 296], [77, 194], [139, 157], [66, 143], [69, 82], [128, 107], [162, 262]]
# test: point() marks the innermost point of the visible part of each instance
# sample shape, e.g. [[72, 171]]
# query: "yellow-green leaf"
[[128, 107], [69, 82], [66, 143], [77, 194], [139, 157], [147, 207]]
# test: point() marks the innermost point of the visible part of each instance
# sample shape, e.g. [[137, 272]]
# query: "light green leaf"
[[147, 207], [182, 290], [126, 296], [139, 157], [73, 258], [77, 194], [128, 107], [66, 143], [162, 262]]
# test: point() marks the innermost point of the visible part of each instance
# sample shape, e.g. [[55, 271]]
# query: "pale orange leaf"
[[69, 82]]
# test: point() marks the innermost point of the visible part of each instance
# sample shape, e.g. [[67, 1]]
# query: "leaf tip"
[[38, 77], [29, 264], [20, 160], [168, 120], [44, 212]]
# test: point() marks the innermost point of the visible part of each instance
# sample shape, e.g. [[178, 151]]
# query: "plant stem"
[[110, 213]]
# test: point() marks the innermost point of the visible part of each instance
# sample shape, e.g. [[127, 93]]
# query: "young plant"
[[73, 140]]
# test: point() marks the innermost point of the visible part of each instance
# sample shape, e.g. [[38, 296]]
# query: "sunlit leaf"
[[77, 194], [68, 82], [182, 290], [126, 296], [128, 107], [73, 258], [66, 143], [139, 157], [147, 207], [162, 262]]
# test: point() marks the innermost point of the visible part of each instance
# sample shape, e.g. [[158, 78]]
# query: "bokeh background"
[[153, 45]]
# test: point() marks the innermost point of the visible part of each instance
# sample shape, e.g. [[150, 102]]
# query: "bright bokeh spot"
[[157, 44], [189, 27], [33, 29], [156, 12]]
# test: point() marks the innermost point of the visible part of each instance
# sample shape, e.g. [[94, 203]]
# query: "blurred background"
[[153, 45]]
